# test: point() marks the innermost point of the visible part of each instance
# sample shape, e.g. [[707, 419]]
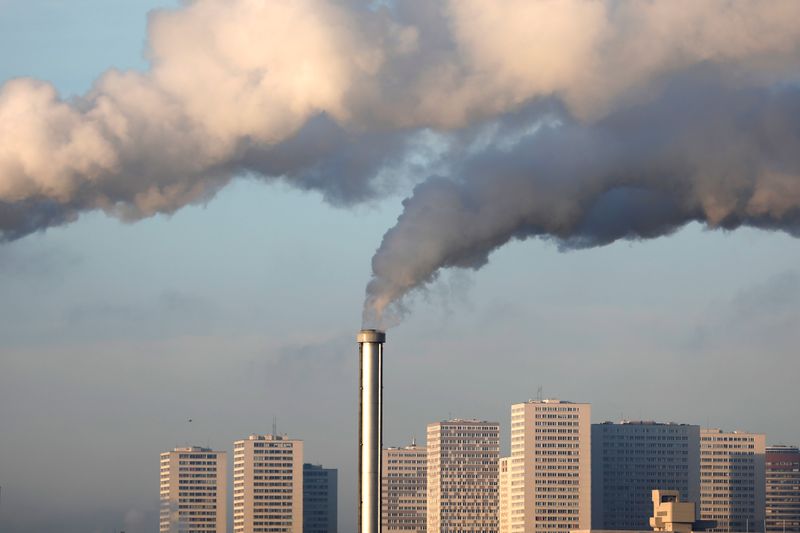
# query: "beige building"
[[462, 476], [503, 522], [268, 485], [550, 467], [193, 492], [404, 483], [669, 514], [732, 483]]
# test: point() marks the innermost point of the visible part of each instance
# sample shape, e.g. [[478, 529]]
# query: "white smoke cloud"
[[569, 100]]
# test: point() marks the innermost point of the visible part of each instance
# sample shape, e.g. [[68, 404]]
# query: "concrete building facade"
[[268, 485], [462, 476], [550, 467], [732, 479], [503, 500], [632, 458], [320, 499], [404, 485], [783, 489], [193, 491]]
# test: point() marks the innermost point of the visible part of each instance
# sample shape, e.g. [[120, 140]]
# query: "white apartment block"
[[268, 485], [503, 486], [462, 476], [550, 467], [404, 485], [732, 479], [193, 491]]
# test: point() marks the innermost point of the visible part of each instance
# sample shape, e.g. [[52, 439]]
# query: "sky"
[[242, 306]]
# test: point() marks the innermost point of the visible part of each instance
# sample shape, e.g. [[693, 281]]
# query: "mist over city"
[[346, 231]]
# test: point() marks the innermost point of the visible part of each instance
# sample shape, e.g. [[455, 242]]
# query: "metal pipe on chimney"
[[370, 430]]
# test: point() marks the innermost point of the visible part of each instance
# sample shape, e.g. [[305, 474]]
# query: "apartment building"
[[783, 489], [268, 485], [320, 499], [630, 459], [550, 467], [462, 476], [193, 491], [732, 479], [404, 485]]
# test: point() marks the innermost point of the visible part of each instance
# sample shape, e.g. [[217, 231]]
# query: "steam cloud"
[[575, 120]]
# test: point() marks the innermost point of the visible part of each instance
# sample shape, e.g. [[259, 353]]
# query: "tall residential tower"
[[404, 489], [268, 485], [783, 489], [194, 494], [732, 480], [631, 459], [320, 495], [462, 476], [550, 467]]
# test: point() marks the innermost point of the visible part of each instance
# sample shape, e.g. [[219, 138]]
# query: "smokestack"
[[370, 430]]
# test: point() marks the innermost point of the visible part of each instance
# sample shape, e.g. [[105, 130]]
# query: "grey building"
[[319, 499], [783, 489], [631, 459]]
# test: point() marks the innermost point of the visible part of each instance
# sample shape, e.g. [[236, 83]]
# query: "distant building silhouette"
[[320, 491]]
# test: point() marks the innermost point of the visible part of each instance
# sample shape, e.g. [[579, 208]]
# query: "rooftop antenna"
[[413, 442], [274, 426], [539, 393]]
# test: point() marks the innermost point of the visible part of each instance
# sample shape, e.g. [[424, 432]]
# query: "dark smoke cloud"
[[700, 152]]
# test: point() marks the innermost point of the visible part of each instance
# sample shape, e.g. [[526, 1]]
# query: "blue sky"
[[112, 335]]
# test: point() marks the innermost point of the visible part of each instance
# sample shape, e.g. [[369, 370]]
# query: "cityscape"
[[564, 474], [399, 266]]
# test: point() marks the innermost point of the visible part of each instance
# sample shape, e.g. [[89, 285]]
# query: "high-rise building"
[[631, 459], [783, 489], [194, 494], [550, 469], [732, 481], [462, 476], [319, 499], [268, 485], [503, 518], [404, 482]]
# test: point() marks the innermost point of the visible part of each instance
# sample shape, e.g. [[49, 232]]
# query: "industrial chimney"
[[370, 430]]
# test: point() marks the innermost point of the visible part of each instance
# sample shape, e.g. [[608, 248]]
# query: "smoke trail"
[[700, 152], [582, 121]]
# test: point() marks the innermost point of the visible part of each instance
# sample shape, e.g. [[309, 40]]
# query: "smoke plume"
[[573, 120], [724, 158]]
